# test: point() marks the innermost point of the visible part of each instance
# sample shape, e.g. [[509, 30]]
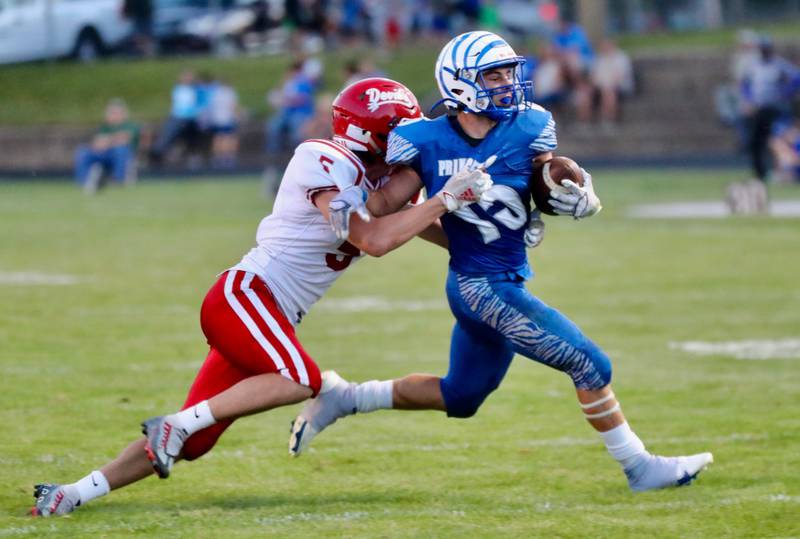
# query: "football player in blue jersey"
[[490, 121]]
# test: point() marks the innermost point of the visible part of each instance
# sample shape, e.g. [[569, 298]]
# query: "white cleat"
[[335, 399], [661, 472]]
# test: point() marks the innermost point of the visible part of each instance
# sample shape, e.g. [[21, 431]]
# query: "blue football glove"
[[349, 200]]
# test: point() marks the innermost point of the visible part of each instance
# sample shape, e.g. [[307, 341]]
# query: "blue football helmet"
[[459, 71]]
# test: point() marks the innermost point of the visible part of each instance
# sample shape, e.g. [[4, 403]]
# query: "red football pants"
[[248, 335]]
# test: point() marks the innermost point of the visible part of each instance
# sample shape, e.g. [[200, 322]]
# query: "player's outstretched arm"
[[379, 236], [403, 184], [383, 234]]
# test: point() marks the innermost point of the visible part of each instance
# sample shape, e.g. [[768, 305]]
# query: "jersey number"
[[513, 215], [339, 262]]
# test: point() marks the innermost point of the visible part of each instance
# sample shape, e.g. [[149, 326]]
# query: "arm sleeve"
[[546, 140]]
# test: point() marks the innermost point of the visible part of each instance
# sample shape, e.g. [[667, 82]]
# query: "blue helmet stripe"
[[487, 48], [469, 47], [455, 47], [441, 80]]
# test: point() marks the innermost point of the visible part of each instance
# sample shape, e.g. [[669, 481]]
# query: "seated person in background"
[[785, 147], [182, 121], [612, 78], [549, 81], [223, 118], [576, 55], [112, 149]]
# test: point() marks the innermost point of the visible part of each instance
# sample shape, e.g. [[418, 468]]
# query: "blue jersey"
[[485, 238]]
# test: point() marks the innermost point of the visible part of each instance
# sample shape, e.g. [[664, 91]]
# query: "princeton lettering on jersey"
[[448, 167]]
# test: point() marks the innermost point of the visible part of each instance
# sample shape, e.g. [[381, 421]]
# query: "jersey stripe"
[[347, 153], [546, 141], [252, 327], [400, 151], [311, 193], [274, 326]]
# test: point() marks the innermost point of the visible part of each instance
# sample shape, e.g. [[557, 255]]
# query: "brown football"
[[548, 177]]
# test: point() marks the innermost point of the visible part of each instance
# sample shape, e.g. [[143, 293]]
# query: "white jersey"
[[298, 255]]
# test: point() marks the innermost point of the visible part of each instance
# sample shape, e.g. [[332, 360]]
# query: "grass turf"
[[81, 364]]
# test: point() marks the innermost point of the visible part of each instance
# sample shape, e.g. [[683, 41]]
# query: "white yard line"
[[35, 278], [705, 210], [751, 349]]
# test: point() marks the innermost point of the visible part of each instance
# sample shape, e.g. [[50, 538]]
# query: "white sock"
[[92, 486], [624, 445], [373, 395], [195, 418]]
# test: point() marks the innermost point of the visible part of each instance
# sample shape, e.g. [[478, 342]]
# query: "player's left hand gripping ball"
[[349, 200], [578, 202]]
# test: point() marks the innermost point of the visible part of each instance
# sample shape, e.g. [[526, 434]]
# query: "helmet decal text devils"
[[376, 98]]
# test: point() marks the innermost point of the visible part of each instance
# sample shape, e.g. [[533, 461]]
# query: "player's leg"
[[244, 324], [478, 362], [132, 464], [542, 333]]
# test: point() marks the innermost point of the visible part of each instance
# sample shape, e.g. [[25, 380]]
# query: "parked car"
[[221, 26], [41, 29]]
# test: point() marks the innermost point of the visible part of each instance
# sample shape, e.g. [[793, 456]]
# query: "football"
[[548, 177]]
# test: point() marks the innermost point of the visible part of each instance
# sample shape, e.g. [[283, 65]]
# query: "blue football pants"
[[498, 317]]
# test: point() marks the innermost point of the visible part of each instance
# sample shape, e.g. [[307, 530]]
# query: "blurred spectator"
[[223, 115], [112, 150], [785, 147], [319, 126], [767, 88], [745, 55], [727, 97], [198, 147], [140, 13], [182, 122], [352, 22], [355, 71], [313, 69], [576, 56], [612, 79], [292, 105], [549, 82], [310, 19], [574, 48]]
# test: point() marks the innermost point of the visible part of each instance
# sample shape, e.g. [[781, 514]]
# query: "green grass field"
[[82, 362]]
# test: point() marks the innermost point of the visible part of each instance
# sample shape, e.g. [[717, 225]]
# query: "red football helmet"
[[365, 112]]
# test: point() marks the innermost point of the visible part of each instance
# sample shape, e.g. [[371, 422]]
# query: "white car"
[[40, 29]]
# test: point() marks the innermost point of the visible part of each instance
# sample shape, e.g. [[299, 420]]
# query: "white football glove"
[[466, 186], [534, 234], [580, 202], [349, 200]]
